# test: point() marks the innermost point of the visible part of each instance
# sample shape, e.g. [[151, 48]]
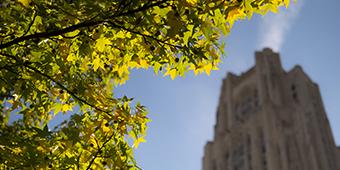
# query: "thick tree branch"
[[84, 24], [51, 33]]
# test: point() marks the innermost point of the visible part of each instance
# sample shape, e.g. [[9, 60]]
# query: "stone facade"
[[339, 154], [270, 119]]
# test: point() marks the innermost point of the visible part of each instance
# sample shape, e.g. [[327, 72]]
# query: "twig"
[[29, 26], [26, 64], [143, 8], [141, 34], [66, 89], [98, 151]]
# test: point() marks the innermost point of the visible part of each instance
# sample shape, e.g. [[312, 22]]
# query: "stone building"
[[270, 119]]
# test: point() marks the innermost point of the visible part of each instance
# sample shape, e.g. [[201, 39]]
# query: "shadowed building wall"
[[270, 119]]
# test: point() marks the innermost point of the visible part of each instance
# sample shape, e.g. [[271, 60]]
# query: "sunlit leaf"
[[101, 43], [25, 2]]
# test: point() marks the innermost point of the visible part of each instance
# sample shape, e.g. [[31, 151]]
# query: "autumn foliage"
[[67, 57]]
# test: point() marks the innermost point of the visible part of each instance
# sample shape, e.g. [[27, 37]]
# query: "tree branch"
[[98, 151], [30, 25], [141, 34], [66, 89], [51, 33], [26, 64], [84, 24], [78, 160], [142, 8]]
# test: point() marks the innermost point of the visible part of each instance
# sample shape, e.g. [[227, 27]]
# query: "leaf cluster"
[[62, 56]]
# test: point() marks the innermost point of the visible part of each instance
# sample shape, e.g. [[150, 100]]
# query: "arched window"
[[247, 104], [238, 157]]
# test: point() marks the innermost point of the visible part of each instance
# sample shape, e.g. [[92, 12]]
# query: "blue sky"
[[183, 110]]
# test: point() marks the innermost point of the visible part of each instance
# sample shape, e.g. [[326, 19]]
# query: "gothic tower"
[[270, 119]]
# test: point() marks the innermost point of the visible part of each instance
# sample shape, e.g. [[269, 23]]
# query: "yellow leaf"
[[66, 107], [92, 142], [234, 15], [122, 70], [287, 3], [208, 68], [101, 43], [173, 73], [97, 63], [273, 8], [218, 15], [57, 108], [143, 63], [122, 34], [41, 149], [215, 68], [186, 37], [138, 141], [188, 34], [128, 35], [193, 68], [73, 33], [16, 150], [55, 68], [84, 65], [71, 57], [105, 126], [156, 67], [193, 2], [211, 4], [41, 87], [249, 9], [25, 2], [160, 12]]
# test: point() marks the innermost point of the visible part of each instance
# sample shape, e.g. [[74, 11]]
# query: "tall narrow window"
[[279, 157], [226, 159], [293, 87], [238, 158], [256, 100], [294, 93], [214, 165], [249, 152], [264, 151]]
